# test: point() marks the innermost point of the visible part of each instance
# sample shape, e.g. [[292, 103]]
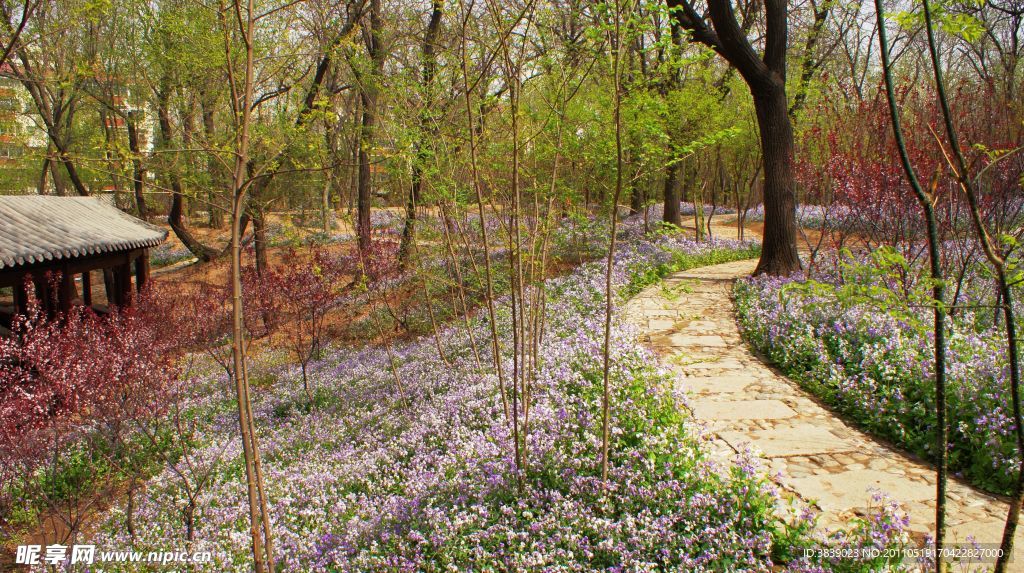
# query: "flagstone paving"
[[689, 321]]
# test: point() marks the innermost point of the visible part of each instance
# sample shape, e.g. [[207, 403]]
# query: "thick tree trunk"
[[765, 74], [216, 218], [636, 198], [363, 186], [138, 168], [175, 218], [779, 255], [259, 231], [671, 213], [369, 98], [76, 179], [425, 132], [60, 187]]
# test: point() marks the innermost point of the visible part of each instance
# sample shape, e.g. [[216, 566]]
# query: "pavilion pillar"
[[20, 297], [141, 271], [118, 286], [110, 286], [87, 288], [44, 294], [65, 291], [124, 277]]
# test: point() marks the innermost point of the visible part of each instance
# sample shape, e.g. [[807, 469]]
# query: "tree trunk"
[[779, 255], [259, 231], [176, 221], [765, 75], [409, 230], [60, 187], [636, 198], [109, 146], [671, 213], [425, 131], [138, 169], [369, 97], [60, 142], [353, 174], [259, 518], [216, 219], [340, 179], [175, 218], [329, 174], [76, 179], [326, 214], [364, 182], [810, 62], [608, 295], [43, 186]]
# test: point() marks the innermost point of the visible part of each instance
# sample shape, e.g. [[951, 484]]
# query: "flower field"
[[808, 216], [364, 480], [369, 475], [360, 286], [859, 335]]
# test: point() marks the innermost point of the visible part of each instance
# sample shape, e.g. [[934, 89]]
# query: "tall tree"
[[812, 60], [15, 28], [176, 218], [425, 131], [765, 75], [927, 202], [616, 40], [369, 91], [50, 66], [242, 97], [672, 213], [174, 69]]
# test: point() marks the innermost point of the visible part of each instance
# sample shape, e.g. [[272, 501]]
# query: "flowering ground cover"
[[687, 209], [370, 474], [807, 216], [859, 336], [168, 254]]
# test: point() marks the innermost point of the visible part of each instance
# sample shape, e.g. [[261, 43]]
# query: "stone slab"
[[699, 340], [701, 326], [797, 440], [741, 410], [713, 364], [660, 324], [655, 312], [722, 384], [985, 532], [854, 488]]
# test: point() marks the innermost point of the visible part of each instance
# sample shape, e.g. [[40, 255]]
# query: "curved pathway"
[[688, 319]]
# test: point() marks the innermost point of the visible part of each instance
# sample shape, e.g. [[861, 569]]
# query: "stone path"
[[689, 321]]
